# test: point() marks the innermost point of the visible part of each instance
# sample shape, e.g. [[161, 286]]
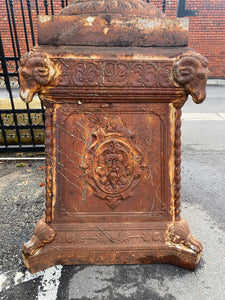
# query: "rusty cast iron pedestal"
[[113, 84]]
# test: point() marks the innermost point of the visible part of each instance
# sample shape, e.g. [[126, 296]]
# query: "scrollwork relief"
[[79, 74], [102, 236], [113, 163], [153, 236], [115, 74], [37, 70]]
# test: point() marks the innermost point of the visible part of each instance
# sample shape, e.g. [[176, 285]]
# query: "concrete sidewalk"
[[203, 206]]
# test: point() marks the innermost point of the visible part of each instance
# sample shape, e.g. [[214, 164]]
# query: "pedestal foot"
[[46, 248], [43, 234], [180, 234], [52, 255]]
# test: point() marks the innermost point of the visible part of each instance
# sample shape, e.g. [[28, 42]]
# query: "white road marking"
[[3, 281], [203, 116], [48, 288], [12, 278]]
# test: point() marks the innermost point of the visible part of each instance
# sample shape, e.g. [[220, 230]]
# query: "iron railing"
[[22, 129]]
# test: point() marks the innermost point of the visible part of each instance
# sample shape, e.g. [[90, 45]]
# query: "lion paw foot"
[[43, 234]]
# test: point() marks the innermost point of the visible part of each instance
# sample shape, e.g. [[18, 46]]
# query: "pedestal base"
[[170, 254], [172, 244]]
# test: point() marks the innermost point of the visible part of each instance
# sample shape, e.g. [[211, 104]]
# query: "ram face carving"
[[35, 71], [191, 71]]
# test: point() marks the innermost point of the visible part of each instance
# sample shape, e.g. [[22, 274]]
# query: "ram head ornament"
[[36, 70], [191, 71]]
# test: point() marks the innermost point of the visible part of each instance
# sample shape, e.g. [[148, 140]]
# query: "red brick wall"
[[207, 31], [5, 28]]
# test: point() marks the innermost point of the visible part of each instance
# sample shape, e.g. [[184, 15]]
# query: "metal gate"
[[22, 125]]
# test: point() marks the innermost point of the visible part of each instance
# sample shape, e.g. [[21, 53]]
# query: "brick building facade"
[[207, 31]]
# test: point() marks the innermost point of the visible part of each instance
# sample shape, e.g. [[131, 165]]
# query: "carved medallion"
[[113, 164]]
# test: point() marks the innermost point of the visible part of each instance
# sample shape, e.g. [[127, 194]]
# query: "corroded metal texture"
[[124, 7], [35, 71], [191, 70], [113, 149], [112, 30], [61, 74], [112, 23]]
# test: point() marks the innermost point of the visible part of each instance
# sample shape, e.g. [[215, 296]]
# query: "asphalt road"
[[203, 206]]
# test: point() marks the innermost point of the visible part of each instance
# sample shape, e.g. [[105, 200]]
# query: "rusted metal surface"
[[35, 72], [112, 30], [113, 153], [192, 71], [112, 23], [124, 7]]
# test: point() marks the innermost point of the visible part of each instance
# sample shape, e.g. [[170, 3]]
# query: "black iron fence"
[[22, 127]]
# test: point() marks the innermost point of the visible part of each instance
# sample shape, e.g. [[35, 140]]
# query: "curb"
[[215, 81]]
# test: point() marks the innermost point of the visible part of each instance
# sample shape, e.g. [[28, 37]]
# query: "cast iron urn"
[[113, 76]]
